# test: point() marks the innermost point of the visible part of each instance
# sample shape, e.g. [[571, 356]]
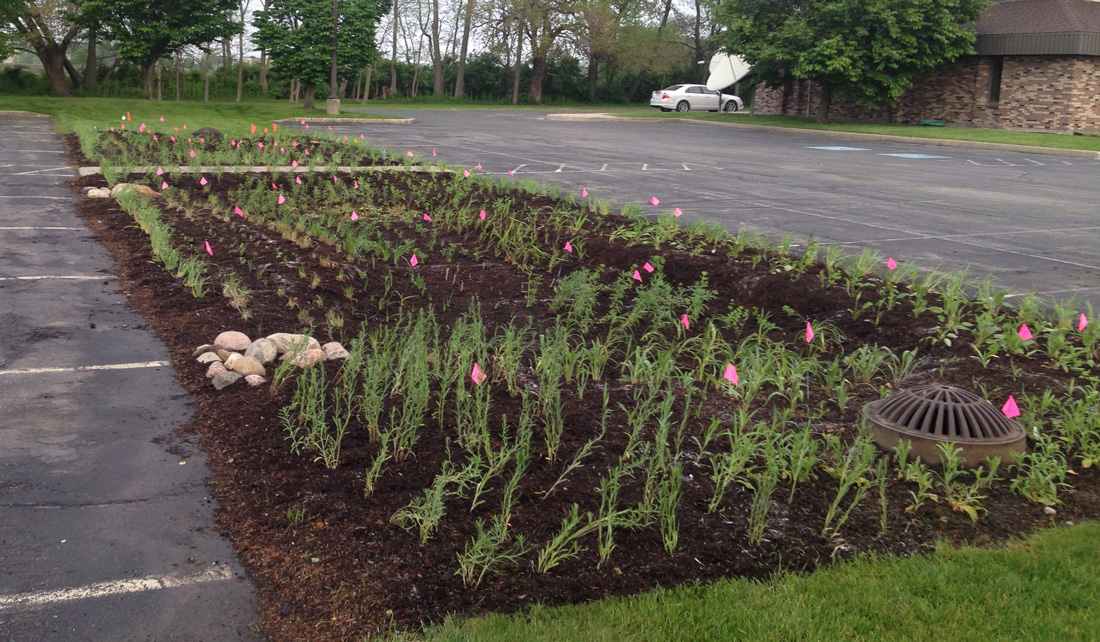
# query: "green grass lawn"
[[234, 119], [1059, 141], [1045, 588]]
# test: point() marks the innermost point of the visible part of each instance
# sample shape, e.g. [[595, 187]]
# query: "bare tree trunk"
[[633, 91], [460, 78], [519, 63], [437, 53], [538, 73], [147, 79], [91, 64], [823, 103], [179, 75], [240, 53], [593, 76], [160, 84], [263, 60], [393, 58], [365, 96], [295, 87], [310, 88], [206, 86]]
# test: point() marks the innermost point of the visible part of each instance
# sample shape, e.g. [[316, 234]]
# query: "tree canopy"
[[298, 36], [148, 30], [870, 49]]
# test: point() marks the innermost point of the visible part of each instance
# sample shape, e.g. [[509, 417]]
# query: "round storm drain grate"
[[933, 414]]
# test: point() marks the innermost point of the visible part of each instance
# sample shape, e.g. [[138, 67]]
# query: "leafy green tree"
[[297, 34], [148, 30], [870, 49], [46, 29]]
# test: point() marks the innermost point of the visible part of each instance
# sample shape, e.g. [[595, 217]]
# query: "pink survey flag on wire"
[[654, 201], [160, 170], [293, 163], [202, 180], [584, 192], [363, 136], [427, 218], [809, 332], [281, 199], [202, 140], [433, 153], [413, 261], [568, 247], [303, 121], [479, 165], [334, 179], [354, 216], [409, 154], [172, 138], [647, 267], [481, 215], [274, 186], [636, 276], [260, 144], [1024, 332], [142, 128], [237, 210], [307, 152], [730, 374], [891, 264], [466, 173], [477, 375], [282, 150], [192, 154], [511, 173], [162, 119], [298, 180], [1010, 408], [355, 184], [684, 321], [677, 212], [155, 139], [208, 250], [330, 127], [1083, 323], [164, 185]]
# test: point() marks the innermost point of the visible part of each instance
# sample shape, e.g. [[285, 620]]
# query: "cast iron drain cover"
[[931, 414]]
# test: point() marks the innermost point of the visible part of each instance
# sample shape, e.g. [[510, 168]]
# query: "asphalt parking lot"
[[106, 525], [1032, 221]]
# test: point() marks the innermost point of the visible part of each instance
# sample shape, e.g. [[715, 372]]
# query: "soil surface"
[[329, 563]]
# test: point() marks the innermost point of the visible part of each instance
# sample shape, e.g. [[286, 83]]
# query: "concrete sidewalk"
[[104, 533]]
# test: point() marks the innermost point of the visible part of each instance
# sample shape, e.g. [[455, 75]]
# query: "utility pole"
[[332, 105]]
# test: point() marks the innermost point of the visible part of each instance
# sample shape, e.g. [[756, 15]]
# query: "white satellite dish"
[[726, 70]]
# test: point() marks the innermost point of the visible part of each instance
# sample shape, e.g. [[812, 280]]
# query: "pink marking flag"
[[647, 267], [202, 140], [307, 125], [154, 138], [208, 250], [584, 192], [274, 127], [274, 186], [427, 218], [281, 199], [188, 140], [260, 144], [160, 170], [730, 374], [1024, 332], [237, 210], [253, 129], [433, 151], [282, 150], [891, 264], [142, 128], [409, 154], [809, 332], [306, 151], [298, 180], [677, 212], [637, 276], [192, 154], [477, 375], [511, 173], [293, 143], [202, 180], [334, 179], [362, 136], [303, 121], [185, 125], [466, 173], [172, 138], [1010, 408], [654, 201], [481, 215], [1083, 323], [568, 247], [479, 165], [413, 261], [330, 127], [345, 139], [293, 163], [164, 185], [162, 119], [685, 323], [112, 129], [354, 216], [355, 184]]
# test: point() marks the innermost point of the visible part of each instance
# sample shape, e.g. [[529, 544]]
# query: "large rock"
[[209, 133], [120, 188], [305, 358], [147, 192], [230, 340], [286, 342], [206, 347], [208, 357], [255, 380], [333, 350], [99, 192], [246, 366], [215, 369], [263, 350], [225, 379]]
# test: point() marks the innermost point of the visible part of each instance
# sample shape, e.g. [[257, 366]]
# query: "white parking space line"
[[105, 589], [55, 278], [112, 366], [49, 198]]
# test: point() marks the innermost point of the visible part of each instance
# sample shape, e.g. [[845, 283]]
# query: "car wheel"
[[683, 106], [731, 106]]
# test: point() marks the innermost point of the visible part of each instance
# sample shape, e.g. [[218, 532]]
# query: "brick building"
[[1037, 67]]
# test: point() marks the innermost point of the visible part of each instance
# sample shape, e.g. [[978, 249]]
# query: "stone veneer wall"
[[1057, 93]]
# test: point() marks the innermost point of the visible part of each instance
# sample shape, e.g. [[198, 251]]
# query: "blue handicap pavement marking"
[[842, 149], [914, 155]]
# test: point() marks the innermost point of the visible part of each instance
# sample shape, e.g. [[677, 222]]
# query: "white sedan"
[[688, 97]]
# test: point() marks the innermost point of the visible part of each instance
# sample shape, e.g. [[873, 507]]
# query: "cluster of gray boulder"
[[233, 356]]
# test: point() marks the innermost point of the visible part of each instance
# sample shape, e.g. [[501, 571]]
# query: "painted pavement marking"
[[119, 587], [112, 366], [914, 156]]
